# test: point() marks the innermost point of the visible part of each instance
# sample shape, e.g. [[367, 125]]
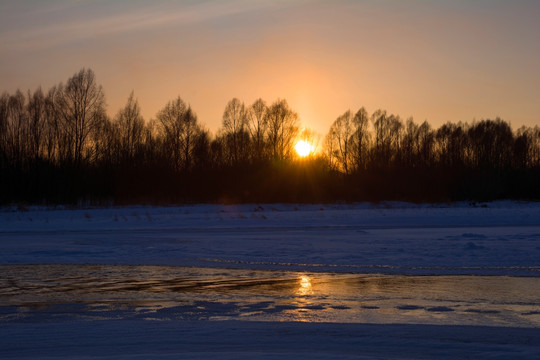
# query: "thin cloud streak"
[[66, 32]]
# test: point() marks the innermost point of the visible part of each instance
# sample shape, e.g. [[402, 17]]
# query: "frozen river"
[[347, 281], [53, 292]]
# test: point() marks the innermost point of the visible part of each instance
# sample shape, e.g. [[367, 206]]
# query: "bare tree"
[[104, 140], [347, 142], [338, 142], [417, 144], [4, 106], [16, 129], [426, 144], [82, 107], [57, 139], [451, 144], [258, 126], [527, 147], [235, 127], [201, 150], [282, 129], [360, 139], [37, 113], [522, 147], [180, 129], [130, 126], [535, 147], [409, 143], [388, 130], [492, 143]]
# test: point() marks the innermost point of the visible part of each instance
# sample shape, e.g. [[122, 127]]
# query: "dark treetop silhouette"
[[61, 147]]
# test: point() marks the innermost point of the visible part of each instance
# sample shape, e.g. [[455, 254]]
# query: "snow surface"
[[347, 240], [268, 340], [502, 238]]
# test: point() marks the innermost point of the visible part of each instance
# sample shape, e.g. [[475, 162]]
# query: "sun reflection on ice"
[[305, 287]]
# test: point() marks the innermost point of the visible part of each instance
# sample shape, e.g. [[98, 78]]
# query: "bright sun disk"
[[303, 148]]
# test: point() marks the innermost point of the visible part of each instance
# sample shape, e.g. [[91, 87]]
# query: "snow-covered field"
[[351, 244], [502, 238], [251, 340]]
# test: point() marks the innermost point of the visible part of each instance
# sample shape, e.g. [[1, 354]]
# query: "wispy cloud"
[[131, 18]]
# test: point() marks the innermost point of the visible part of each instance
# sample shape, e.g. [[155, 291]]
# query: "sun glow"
[[303, 148]]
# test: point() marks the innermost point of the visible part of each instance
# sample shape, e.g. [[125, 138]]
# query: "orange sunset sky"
[[433, 60]]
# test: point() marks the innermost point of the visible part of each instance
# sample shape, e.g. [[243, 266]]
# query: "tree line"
[[60, 146], [484, 145]]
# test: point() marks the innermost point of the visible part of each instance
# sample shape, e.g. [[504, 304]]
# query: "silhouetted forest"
[[60, 146]]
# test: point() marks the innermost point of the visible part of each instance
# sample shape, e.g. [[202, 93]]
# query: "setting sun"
[[303, 148]]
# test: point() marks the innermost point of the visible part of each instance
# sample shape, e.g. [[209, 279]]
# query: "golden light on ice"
[[303, 148], [305, 286]]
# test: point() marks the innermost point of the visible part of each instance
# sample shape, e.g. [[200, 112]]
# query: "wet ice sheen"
[[40, 292]]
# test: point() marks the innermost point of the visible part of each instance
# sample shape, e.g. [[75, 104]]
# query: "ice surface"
[[346, 242], [38, 293]]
